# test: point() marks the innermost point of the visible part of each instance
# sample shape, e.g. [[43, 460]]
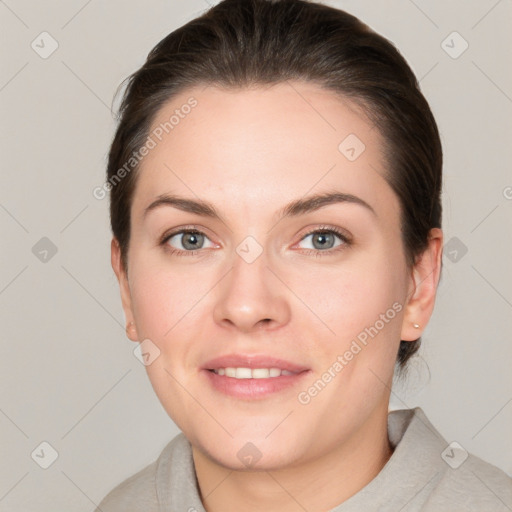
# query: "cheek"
[[362, 305], [153, 305], [165, 297], [352, 297], [166, 305]]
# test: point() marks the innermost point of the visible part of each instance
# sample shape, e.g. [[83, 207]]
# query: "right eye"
[[190, 240]]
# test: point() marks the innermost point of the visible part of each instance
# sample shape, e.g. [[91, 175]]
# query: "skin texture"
[[249, 152]]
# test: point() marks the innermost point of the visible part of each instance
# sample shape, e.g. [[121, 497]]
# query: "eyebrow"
[[293, 209]]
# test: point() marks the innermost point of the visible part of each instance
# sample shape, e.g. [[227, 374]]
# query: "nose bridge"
[[250, 294]]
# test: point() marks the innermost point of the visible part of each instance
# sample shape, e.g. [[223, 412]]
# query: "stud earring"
[[416, 326]]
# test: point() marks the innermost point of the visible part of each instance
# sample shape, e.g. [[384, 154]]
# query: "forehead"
[[263, 145]]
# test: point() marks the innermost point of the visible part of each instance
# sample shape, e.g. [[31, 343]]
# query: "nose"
[[250, 297]]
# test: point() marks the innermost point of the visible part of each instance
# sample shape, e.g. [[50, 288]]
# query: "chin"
[[243, 455]]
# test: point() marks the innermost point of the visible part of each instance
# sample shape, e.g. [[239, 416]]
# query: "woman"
[[275, 185]]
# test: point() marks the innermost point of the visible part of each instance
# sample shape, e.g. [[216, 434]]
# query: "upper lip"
[[252, 361]]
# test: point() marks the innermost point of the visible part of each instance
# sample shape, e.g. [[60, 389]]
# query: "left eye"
[[324, 239]]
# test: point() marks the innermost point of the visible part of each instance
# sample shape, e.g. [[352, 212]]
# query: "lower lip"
[[253, 388]]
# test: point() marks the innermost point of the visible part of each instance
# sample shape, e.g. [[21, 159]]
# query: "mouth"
[[251, 373], [251, 377]]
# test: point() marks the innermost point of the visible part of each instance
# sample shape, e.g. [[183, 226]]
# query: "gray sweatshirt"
[[424, 473]]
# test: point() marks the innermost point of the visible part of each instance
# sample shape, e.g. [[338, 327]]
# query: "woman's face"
[[319, 289]]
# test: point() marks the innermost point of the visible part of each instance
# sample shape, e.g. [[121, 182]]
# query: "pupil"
[[323, 239], [191, 240]]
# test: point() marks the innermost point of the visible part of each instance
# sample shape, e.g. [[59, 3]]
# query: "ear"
[[423, 283], [122, 277]]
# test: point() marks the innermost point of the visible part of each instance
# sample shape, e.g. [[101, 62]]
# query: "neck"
[[316, 485]]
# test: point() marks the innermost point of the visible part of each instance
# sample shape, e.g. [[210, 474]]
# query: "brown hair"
[[239, 43]]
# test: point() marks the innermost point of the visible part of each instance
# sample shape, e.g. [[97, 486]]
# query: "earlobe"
[[124, 288], [131, 331], [423, 284]]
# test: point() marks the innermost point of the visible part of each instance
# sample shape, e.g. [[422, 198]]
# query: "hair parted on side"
[[245, 43]]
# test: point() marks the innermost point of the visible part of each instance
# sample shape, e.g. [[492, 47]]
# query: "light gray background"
[[69, 376]]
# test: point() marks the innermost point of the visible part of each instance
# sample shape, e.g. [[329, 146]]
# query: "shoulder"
[[475, 485], [451, 478], [139, 492]]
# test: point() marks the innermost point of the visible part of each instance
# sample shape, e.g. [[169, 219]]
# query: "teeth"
[[264, 373], [252, 373], [243, 373], [230, 372]]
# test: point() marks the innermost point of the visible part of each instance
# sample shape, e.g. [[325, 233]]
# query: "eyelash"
[[318, 253]]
